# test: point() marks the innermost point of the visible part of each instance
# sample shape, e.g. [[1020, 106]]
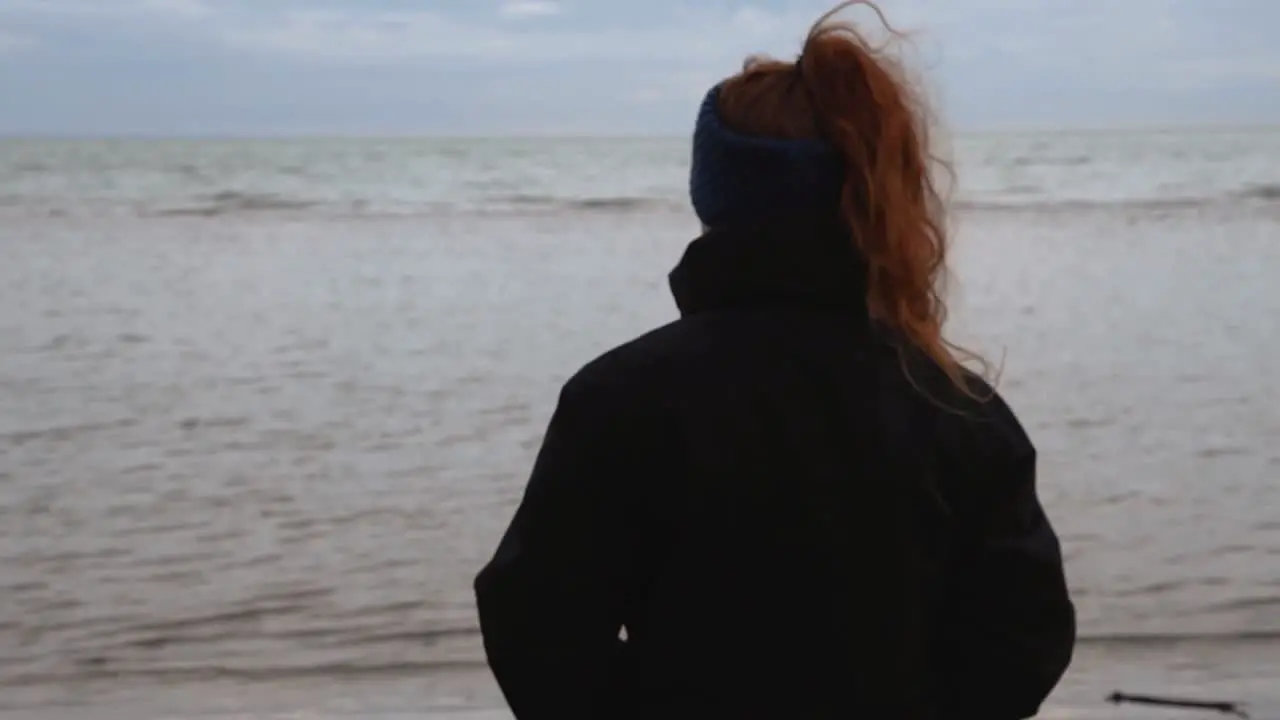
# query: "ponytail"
[[859, 100]]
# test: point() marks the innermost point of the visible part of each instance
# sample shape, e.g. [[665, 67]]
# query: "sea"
[[267, 405]]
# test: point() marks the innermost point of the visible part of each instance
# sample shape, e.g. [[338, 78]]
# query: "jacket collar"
[[804, 262]]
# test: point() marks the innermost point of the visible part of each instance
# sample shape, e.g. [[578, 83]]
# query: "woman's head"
[[845, 128]]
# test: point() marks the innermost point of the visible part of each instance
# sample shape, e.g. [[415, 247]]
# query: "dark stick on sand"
[[1226, 708]]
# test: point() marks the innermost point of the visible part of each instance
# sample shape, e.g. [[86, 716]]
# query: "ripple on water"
[[279, 470]]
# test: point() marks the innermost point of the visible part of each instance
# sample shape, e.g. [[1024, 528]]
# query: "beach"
[[269, 404]]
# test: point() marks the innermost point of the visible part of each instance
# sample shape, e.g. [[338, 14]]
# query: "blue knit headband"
[[739, 179]]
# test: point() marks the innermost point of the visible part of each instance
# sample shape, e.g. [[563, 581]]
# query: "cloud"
[[53, 8], [518, 9], [548, 63], [59, 15], [183, 8], [14, 43], [399, 36], [392, 37], [91, 8], [678, 86]]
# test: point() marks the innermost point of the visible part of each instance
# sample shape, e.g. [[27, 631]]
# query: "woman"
[[793, 502]]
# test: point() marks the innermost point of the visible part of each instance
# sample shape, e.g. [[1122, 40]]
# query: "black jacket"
[[782, 520]]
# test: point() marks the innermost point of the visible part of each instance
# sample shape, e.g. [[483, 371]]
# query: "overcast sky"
[[180, 67]]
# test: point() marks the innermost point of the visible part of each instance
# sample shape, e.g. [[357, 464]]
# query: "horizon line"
[[1119, 128]]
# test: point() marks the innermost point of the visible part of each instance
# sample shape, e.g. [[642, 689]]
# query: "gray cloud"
[[14, 43], [235, 66]]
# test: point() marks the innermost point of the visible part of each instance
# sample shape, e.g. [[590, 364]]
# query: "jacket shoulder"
[[990, 424], [971, 415], [625, 375], [981, 451], [976, 438]]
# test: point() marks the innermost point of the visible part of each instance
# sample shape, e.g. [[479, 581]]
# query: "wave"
[[103, 667], [1052, 205], [1261, 191], [146, 651], [1254, 195], [211, 673], [231, 202], [1026, 199], [1044, 161], [1157, 638], [623, 203], [1030, 199]]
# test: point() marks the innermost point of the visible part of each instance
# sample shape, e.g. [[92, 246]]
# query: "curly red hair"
[[858, 98]]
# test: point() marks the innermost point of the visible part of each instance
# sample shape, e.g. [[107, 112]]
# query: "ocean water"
[[269, 404]]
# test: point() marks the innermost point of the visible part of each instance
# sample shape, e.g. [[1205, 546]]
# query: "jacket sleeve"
[[1008, 626], [551, 599]]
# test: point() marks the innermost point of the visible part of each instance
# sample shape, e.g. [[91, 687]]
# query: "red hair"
[[853, 95]]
